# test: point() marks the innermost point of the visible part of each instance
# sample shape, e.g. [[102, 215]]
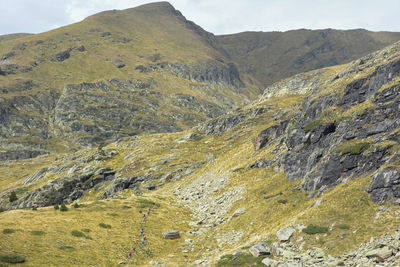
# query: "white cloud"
[[217, 16]]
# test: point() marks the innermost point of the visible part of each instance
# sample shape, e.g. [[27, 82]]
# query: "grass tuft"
[[12, 258], [106, 226], [77, 233], [8, 231], [35, 232], [314, 229]]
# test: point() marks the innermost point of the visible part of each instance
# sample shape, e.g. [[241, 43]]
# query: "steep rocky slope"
[[307, 173], [272, 56]]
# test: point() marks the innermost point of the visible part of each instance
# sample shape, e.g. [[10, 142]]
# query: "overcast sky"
[[216, 16]]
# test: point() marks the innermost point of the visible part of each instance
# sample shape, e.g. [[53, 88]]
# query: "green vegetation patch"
[[240, 260], [35, 232], [77, 233], [314, 229], [12, 258], [106, 226], [282, 201], [13, 196], [329, 115], [8, 231], [238, 169], [86, 230], [344, 226], [63, 207], [354, 147], [56, 207]]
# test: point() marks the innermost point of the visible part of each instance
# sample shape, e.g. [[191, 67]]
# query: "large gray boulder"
[[285, 234], [259, 249]]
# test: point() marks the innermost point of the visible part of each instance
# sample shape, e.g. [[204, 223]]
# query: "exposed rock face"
[[124, 183], [323, 148], [61, 56], [385, 185], [269, 134]]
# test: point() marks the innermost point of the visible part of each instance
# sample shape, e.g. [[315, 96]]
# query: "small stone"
[[285, 234], [198, 262], [269, 262], [260, 248], [239, 212]]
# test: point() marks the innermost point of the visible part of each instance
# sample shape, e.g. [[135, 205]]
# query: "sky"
[[216, 16]]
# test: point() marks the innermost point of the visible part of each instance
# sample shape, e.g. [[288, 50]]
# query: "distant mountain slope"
[[116, 73], [272, 56], [7, 37]]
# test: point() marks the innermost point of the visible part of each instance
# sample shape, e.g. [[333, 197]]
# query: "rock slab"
[[259, 249], [171, 235]]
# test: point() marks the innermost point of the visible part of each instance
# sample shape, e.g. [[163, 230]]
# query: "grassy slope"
[[154, 29], [272, 56], [345, 204]]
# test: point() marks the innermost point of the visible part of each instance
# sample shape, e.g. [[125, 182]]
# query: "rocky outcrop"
[[385, 186], [207, 72], [324, 147], [269, 134], [125, 183]]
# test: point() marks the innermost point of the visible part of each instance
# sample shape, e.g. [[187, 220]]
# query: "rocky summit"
[[135, 137]]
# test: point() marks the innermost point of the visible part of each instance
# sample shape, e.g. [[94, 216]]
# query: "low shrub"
[[1, 209], [76, 205], [12, 258], [106, 226], [314, 229], [344, 226], [282, 201], [77, 233], [13, 196], [34, 208], [35, 232], [56, 207], [8, 231], [63, 207], [86, 230]]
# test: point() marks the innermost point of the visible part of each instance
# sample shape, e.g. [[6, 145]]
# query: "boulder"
[[380, 254], [269, 262], [259, 249], [285, 234], [239, 212], [118, 63], [171, 235]]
